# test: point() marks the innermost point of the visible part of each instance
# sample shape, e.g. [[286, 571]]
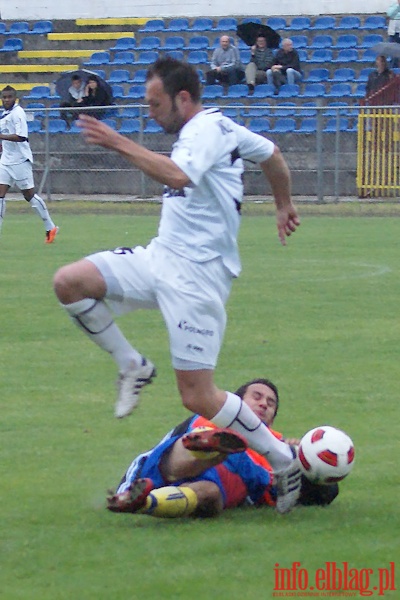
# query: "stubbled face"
[[262, 401], [162, 108], [224, 41], [8, 99]]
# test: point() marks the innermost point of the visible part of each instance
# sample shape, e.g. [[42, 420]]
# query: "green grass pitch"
[[320, 317]]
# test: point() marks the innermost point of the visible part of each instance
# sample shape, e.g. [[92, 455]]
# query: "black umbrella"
[[248, 32], [387, 49], [64, 81]]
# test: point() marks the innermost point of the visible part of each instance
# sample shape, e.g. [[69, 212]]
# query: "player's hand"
[[97, 132], [287, 221]]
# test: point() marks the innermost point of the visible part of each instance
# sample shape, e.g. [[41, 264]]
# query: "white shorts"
[[191, 297], [21, 175]]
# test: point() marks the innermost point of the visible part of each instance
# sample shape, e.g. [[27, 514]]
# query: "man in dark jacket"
[[262, 58], [286, 67], [379, 78]]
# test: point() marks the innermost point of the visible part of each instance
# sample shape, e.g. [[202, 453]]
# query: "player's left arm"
[[277, 172], [157, 166], [12, 137]]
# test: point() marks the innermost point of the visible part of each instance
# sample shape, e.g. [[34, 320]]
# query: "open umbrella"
[[387, 49], [64, 81], [248, 32]]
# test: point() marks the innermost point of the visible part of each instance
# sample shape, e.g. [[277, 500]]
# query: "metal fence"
[[319, 144]]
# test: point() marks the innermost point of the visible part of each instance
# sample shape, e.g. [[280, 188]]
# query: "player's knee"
[[62, 283]]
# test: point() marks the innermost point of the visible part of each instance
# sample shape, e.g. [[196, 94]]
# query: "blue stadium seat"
[[343, 75], [257, 109], [370, 40], [264, 90], [299, 41], [38, 92], [57, 126], [307, 109], [201, 24], [284, 125], [129, 112], [299, 24], [210, 92], [346, 41], [41, 28], [124, 57], [173, 42], [233, 111], [98, 58], [322, 23], [368, 55], [307, 125], [152, 127], [238, 90], [34, 126], [129, 126], [125, 43], [252, 20], [177, 54], [150, 42], [313, 90], [110, 122], [321, 55], [119, 76], [349, 22], [226, 24], [3, 28], [333, 108], [374, 22], [153, 25], [346, 55], [333, 124], [277, 22], [259, 125], [339, 90], [118, 91], [139, 76], [360, 91], [321, 41], [245, 55], [178, 24], [136, 92], [12, 45], [146, 57], [363, 74], [18, 28], [198, 42], [317, 75], [37, 109], [284, 109], [288, 90], [100, 72], [197, 57]]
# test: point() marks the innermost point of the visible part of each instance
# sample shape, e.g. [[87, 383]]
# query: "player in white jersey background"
[[16, 161], [187, 270]]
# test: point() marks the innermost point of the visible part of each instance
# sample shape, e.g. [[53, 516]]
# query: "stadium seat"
[[12, 45], [41, 28], [333, 108], [360, 91], [100, 72], [288, 90], [124, 57], [252, 20], [374, 22], [122, 44], [178, 24], [284, 125], [118, 91], [226, 24], [363, 74], [299, 24], [346, 55], [197, 57], [277, 22], [119, 76], [368, 55], [334, 124], [342, 75], [57, 126], [129, 126], [322, 23], [210, 92], [321, 55], [346, 41], [259, 125], [136, 92], [198, 42], [38, 92], [152, 127], [321, 41], [152, 26], [173, 42], [177, 54], [18, 28], [257, 109], [284, 109], [307, 125], [238, 90], [348, 22], [233, 111], [151, 42], [264, 90], [98, 58], [201, 24], [3, 28], [129, 112], [299, 41], [147, 57], [302, 52], [74, 128], [307, 109], [245, 55], [313, 90], [34, 126], [370, 40], [36, 108], [110, 122], [317, 75], [339, 90]]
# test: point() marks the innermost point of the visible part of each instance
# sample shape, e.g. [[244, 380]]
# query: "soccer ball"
[[326, 455]]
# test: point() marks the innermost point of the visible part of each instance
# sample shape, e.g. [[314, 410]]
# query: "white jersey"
[[14, 121], [201, 221]]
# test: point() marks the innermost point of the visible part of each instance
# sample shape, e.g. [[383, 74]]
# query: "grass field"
[[319, 317]]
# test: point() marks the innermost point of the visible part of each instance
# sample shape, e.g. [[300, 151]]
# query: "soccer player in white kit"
[[16, 161], [187, 270]]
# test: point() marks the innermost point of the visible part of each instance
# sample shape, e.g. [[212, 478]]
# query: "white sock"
[[2, 210], [39, 205], [238, 416], [95, 319]]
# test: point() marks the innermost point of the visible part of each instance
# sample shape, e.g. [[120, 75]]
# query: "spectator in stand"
[[262, 58], [286, 67], [380, 77], [226, 67], [95, 95], [76, 93], [394, 26]]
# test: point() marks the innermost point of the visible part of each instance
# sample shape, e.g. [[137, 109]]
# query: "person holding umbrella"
[[262, 59], [380, 77]]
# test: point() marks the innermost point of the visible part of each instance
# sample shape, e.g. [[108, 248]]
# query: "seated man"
[[76, 92], [226, 66], [286, 67], [262, 59], [200, 470]]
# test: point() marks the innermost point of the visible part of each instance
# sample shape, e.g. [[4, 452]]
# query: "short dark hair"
[[243, 389], [93, 78], [176, 76], [9, 88], [76, 77]]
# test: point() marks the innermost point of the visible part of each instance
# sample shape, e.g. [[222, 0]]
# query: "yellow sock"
[[170, 501]]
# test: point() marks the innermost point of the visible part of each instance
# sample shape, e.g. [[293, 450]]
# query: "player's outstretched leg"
[[129, 385], [209, 440]]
